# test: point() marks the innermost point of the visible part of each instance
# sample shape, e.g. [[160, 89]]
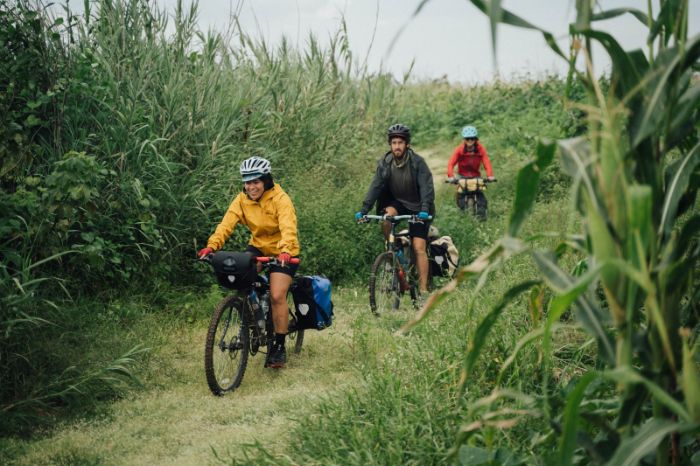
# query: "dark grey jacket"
[[379, 189]]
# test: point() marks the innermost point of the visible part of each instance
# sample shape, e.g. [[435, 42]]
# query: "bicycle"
[[242, 322], [394, 270], [469, 195]]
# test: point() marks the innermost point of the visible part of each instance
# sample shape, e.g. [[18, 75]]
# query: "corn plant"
[[635, 177]]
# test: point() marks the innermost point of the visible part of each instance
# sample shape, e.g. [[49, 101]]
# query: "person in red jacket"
[[469, 157]]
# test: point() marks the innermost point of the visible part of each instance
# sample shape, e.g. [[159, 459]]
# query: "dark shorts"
[[289, 269], [415, 229]]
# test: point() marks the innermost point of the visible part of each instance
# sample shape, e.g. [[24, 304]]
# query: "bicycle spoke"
[[384, 286], [226, 350]]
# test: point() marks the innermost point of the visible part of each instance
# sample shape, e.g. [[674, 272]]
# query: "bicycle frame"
[[257, 299], [239, 327], [467, 194], [397, 263]]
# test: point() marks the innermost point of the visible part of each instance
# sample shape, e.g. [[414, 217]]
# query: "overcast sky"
[[448, 37]]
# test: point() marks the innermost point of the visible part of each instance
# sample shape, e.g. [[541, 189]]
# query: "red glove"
[[204, 252], [284, 258]]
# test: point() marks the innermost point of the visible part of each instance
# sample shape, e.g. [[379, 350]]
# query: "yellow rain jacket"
[[272, 221]]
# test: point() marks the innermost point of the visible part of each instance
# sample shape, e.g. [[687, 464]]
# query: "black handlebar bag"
[[234, 270]]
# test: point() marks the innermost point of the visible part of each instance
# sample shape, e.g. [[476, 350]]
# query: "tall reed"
[[123, 130], [635, 174]]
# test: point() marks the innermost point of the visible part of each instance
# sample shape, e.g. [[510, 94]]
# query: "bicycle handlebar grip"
[[265, 259]]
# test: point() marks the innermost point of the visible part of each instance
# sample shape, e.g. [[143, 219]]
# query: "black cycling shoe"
[[277, 357]]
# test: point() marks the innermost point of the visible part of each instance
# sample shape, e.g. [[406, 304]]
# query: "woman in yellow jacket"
[[269, 214]]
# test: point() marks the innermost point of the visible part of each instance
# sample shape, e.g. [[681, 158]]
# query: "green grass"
[[174, 417], [139, 165], [358, 394]]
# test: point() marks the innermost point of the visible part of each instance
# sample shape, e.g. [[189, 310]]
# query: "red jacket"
[[469, 163]]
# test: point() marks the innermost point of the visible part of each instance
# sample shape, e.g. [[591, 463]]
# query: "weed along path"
[[174, 419]]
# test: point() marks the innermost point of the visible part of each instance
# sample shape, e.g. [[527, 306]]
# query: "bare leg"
[[421, 256], [386, 226], [279, 285]]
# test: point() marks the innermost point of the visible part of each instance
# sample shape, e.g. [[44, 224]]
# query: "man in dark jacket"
[[403, 185]]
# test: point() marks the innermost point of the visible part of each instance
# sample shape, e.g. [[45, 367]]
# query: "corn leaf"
[[513, 20], [640, 15], [691, 382], [632, 450], [670, 11], [670, 63], [677, 186], [567, 442], [570, 291], [629, 376], [482, 331], [683, 122], [526, 186]]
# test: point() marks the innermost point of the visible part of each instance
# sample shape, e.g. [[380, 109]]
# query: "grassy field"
[[357, 366], [571, 336], [174, 419]]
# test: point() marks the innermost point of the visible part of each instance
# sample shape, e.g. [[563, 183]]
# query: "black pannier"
[[234, 270], [312, 302], [444, 257]]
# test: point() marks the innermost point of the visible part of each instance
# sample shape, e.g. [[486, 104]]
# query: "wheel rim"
[[295, 336]]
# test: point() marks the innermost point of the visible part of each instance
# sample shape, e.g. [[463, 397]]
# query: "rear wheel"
[[384, 289], [226, 350], [461, 201], [295, 335]]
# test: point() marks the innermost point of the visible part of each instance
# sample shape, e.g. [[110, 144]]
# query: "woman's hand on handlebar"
[[284, 258], [277, 261]]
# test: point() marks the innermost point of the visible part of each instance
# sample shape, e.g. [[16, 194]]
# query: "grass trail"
[[176, 420]]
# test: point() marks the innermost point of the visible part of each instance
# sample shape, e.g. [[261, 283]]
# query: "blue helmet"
[[469, 132]]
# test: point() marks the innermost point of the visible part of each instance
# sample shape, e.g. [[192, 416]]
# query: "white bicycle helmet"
[[255, 167]]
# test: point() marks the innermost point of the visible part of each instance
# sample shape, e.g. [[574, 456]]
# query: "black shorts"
[[415, 229], [289, 269]]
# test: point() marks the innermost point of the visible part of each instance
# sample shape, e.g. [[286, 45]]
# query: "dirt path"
[[176, 420], [436, 158]]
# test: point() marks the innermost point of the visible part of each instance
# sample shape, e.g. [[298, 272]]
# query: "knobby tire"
[[384, 288], [227, 346]]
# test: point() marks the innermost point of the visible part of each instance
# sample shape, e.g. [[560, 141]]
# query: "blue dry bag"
[[313, 307]]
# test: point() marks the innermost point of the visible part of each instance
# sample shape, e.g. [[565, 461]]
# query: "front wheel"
[[384, 288], [226, 350]]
